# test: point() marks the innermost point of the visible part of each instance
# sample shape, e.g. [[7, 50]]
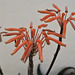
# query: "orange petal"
[[42, 25], [31, 25], [32, 33], [52, 19], [12, 29], [62, 18], [46, 12], [39, 45], [53, 33], [56, 41], [9, 34], [14, 38], [45, 17], [55, 6], [25, 42], [64, 29], [26, 51]]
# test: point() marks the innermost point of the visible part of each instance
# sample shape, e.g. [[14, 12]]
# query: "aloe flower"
[[55, 14], [33, 43], [62, 19]]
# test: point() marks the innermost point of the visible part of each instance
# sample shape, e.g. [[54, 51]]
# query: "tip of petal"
[[45, 21], [42, 61], [6, 42], [63, 36], [38, 10], [22, 59], [41, 20], [11, 54], [65, 45]]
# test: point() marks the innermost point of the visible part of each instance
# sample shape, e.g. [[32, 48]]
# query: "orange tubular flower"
[[26, 51], [62, 18], [31, 25], [32, 44], [52, 19], [12, 29], [46, 12], [42, 25], [25, 42], [32, 33], [64, 29], [45, 17], [10, 34], [39, 45], [14, 38], [55, 6], [53, 33], [56, 41]]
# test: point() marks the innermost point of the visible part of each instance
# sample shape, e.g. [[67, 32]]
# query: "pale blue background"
[[19, 13]]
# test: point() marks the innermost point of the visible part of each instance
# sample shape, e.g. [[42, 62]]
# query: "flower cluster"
[[55, 14], [32, 43]]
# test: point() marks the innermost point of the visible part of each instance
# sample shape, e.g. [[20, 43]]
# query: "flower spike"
[[34, 44]]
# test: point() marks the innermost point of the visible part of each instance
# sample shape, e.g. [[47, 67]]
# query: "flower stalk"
[[56, 53], [30, 67]]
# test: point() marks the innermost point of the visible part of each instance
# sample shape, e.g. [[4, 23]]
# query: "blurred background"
[[19, 13]]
